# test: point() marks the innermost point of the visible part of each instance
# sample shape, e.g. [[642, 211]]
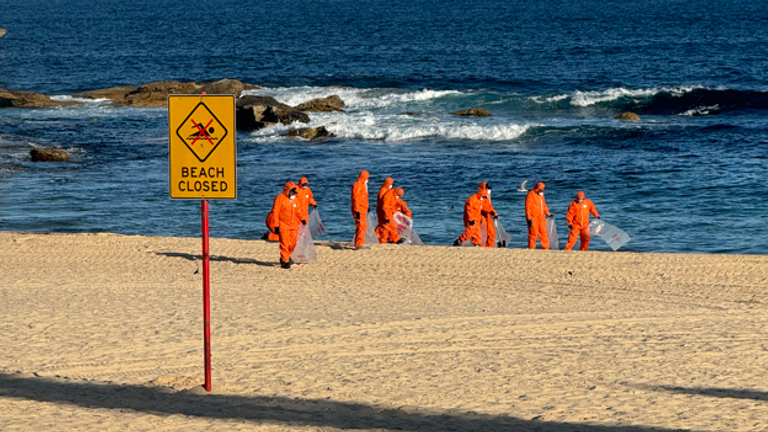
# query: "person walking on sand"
[[488, 218], [307, 198], [360, 208], [536, 213], [473, 208], [578, 221], [385, 187], [288, 219], [392, 203]]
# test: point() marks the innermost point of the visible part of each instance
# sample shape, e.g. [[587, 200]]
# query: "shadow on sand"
[[716, 392], [192, 257], [273, 410]]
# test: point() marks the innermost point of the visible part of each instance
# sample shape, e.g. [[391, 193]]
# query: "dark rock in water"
[[112, 93], [247, 101], [285, 115], [628, 116], [226, 87], [255, 112], [412, 113], [3, 32], [19, 99], [331, 103], [155, 95], [474, 112], [310, 133], [48, 155]]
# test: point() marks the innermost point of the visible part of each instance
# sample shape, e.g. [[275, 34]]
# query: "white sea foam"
[[395, 128], [700, 111], [68, 98], [584, 99], [542, 99], [395, 99], [353, 98]]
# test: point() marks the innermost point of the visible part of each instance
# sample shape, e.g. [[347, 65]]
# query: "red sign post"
[[206, 297], [203, 165]]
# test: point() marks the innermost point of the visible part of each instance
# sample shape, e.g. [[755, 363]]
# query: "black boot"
[[401, 241], [457, 242], [285, 265]]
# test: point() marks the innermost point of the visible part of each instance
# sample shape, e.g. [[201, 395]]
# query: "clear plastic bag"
[[305, 252], [612, 235], [405, 230], [316, 226], [502, 236], [554, 242], [370, 232]]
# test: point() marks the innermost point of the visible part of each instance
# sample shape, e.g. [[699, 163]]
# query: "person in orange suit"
[[473, 208], [287, 210], [392, 203], [385, 187], [307, 198], [578, 221], [360, 208], [536, 213], [488, 214]]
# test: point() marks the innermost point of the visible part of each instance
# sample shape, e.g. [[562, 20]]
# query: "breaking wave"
[[448, 131], [689, 101], [353, 98]]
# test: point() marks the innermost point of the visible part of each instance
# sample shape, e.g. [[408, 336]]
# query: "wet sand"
[[104, 332]]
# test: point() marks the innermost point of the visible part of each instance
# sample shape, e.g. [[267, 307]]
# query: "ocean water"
[[691, 177]]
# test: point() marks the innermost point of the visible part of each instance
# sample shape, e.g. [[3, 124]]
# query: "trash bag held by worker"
[[305, 252], [370, 232], [554, 242], [502, 236], [316, 226], [612, 235], [405, 229]]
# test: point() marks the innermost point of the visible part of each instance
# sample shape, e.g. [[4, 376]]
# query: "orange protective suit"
[[391, 203], [578, 221], [536, 212], [288, 220], [473, 209], [360, 208], [306, 197], [385, 187], [488, 214]]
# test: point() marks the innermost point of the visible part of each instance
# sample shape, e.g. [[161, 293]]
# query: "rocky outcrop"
[[112, 93], [19, 99], [412, 113], [226, 87], [48, 155], [473, 112], [328, 104], [310, 133], [155, 94], [628, 116], [256, 112]]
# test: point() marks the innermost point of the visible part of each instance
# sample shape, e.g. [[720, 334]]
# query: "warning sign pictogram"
[[203, 163], [201, 131]]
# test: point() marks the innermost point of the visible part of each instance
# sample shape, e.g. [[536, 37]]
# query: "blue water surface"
[[689, 178]]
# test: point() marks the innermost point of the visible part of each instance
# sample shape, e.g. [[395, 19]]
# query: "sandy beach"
[[104, 332]]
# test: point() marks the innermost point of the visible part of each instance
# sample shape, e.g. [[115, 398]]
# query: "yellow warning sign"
[[203, 148]]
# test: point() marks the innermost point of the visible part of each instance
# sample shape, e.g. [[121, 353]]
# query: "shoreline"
[[105, 333]]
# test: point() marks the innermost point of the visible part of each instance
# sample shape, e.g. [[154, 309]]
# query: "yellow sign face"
[[203, 148]]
